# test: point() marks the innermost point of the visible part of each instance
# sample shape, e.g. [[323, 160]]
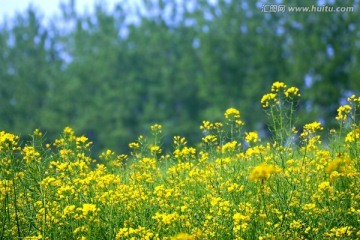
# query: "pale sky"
[[8, 8]]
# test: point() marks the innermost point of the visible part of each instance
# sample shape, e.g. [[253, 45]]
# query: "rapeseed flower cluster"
[[252, 137], [280, 105], [221, 188], [232, 113], [269, 99], [263, 172], [343, 112]]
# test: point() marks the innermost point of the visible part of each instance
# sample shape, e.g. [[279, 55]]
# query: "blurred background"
[[115, 68]]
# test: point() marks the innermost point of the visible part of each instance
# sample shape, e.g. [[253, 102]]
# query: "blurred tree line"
[[176, 63]]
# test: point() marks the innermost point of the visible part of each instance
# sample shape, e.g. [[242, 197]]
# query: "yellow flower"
[[218, 126], [210, 139], [232, 114], [311, 128], [134, 145], [340, 232], [292, 92], [183, 236], [88, 208], [343, 112], [206, 125], [165, 218], [155, 149], [263, 172], [186, 152], [240, 222], [339, 165], [69, 131], [37, 133], [252, 137], [156, 128], [353, 99], [269, 100], [295, 224], [31, 155], [309, 206], [229, 147], [277, 86], [239, 218], [334, 175], [8, 140], [239, 123], [353, 136], [179, 140], [68, 210], [325, 187]]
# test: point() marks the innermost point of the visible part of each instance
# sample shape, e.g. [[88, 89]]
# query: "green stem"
[[281, 122], [16, 209]]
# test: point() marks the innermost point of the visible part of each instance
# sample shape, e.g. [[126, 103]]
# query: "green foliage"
[[111, 73]]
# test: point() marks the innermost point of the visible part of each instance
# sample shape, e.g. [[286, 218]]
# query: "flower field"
[[301, 183]]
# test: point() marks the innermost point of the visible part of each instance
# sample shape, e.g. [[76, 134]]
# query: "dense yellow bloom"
[[239, 123], [292, 92], [134, 145], [239, 217], [65, 191], [204, 156], [192, 192], [339, 165], [218, 125], [252, 137], [30, 154], [263, 172], [7, 139], [340, 232], [252, 151], [155, 149], [185, 153], [210, 139], [296, 224], [334, 175], [354, 99], [69, 130], [325, 187], [39, 237], [166, 218], [69, 210], [277, 86], [206, 125], [241, 222], [353, 136], [183, 236], [229, 147], [269, 99], [232, 113], [136, 233], [310, 129], [313, 127], [81, 139], [343, 112], [234, 187], [309, 206], [89, 208]]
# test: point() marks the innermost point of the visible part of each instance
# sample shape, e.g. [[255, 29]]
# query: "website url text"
[[274, 8]]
